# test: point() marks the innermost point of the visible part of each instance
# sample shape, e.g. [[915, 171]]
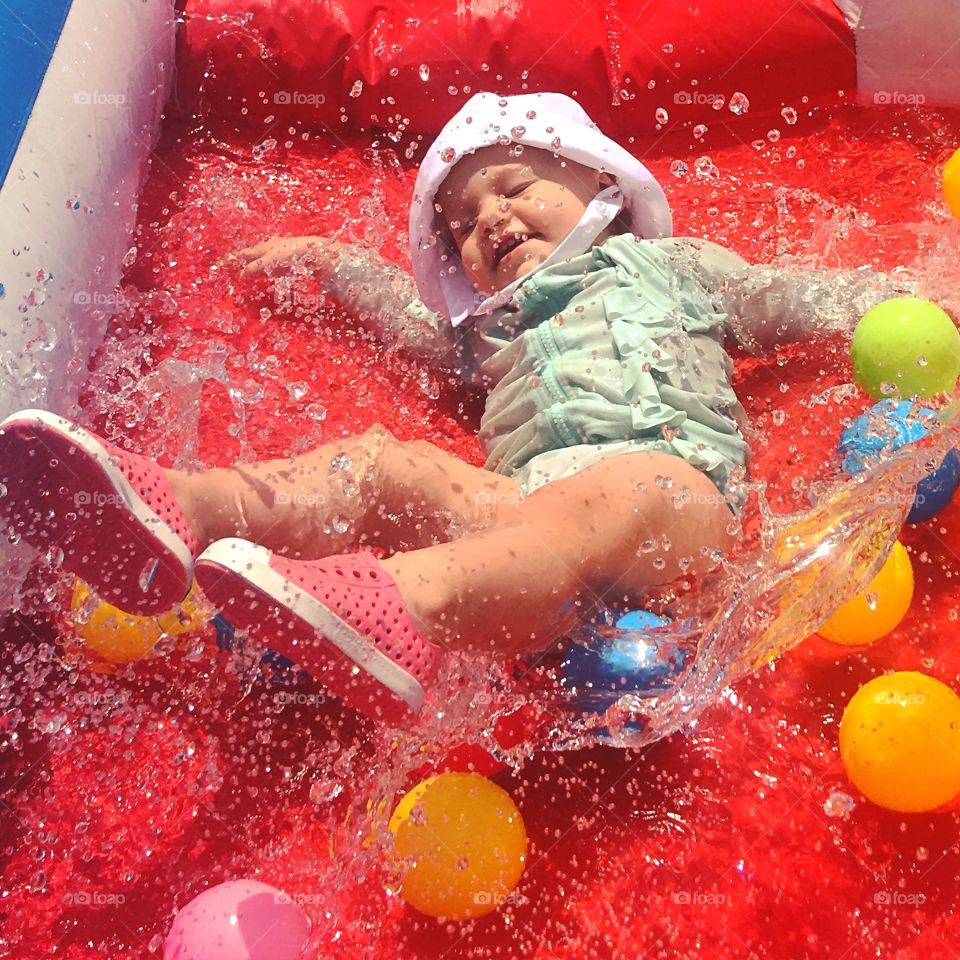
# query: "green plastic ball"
[[906, 347]]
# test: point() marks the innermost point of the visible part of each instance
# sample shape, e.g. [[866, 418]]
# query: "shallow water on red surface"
[[124, 797]]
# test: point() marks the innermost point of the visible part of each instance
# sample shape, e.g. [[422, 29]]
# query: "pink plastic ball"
[[238, 920]]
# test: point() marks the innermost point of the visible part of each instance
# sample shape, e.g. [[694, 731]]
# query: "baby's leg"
[[608, 533], [365, 489]]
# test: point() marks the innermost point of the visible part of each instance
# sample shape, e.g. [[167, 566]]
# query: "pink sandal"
[[112, 513], [341, 618]]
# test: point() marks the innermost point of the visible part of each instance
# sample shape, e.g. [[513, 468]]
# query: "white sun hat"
[[550, 121]]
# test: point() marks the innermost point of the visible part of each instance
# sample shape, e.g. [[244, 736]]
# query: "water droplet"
[[922, 361], [555, 143], [662, 115], [147, 574], [699, 131], [718, 102], [679, 168], [356, 89], [448, 154], [349, 487], [340, 524], [667, 48], [922, 853], [517, 132], [316, 411], [531, 114], [341, 461], [789, 115], [838, 804], [706, 169], [424, 72], [739, 104], [298, 390], [773, 135], [324, 791]]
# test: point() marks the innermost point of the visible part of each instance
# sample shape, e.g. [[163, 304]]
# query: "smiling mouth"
[[506, 249]]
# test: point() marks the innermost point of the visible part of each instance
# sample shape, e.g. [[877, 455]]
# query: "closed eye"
[[470, 224]]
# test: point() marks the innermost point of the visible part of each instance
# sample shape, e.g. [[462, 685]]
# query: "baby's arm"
[[385, 298], [767, 305], [380, 294]]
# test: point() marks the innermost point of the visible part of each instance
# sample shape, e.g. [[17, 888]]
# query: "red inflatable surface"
[[409, 66], [123, 797]]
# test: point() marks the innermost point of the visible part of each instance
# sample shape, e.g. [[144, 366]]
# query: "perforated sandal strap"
[[367, 598], [153, 487]]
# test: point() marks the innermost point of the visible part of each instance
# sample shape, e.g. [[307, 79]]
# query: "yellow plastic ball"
[[900, 742], [462, 845], [112, 636], [951, 184], [880, 608]]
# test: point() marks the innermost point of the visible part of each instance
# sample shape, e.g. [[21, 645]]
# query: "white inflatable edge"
[[88, 140], [908, 53]]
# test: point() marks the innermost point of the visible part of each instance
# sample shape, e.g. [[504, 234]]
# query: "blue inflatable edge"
[[29, 32]]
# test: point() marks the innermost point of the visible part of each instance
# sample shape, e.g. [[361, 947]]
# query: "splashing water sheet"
[[720, 822]]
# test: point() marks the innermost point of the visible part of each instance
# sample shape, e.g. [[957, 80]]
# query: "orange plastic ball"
[[900, 742], [462, 845], [951, 184], [880, 608], [113, 637]]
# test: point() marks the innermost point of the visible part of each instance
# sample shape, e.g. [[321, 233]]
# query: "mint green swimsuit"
[[618, 350]]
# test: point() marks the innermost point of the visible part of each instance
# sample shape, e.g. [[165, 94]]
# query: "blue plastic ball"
[[887, 426], [638, 662]]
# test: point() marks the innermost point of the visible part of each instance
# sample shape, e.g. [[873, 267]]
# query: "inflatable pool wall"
[[85, 84], [88, 99], [907, 53]]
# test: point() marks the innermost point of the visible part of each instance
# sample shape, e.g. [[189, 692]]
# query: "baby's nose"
[[496, 213]]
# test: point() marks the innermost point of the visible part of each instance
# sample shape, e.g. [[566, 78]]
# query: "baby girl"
[[547, 275]]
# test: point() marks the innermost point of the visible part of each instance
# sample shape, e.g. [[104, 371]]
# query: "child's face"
[[507, 214]]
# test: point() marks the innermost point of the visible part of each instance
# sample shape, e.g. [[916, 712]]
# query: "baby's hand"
[[320, 255]]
